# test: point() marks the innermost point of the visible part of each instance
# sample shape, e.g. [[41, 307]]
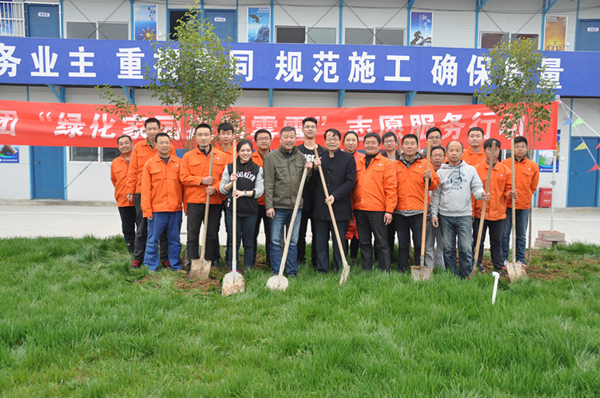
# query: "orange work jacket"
[[411, 184], [500, 188], [473, 158], [256, 158], [161, 187], [527, 176], [118, 176], [195, 165], [142, 151], [375, 188]]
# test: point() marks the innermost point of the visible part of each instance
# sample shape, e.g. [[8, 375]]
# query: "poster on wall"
[[9, 154], [421, 29], [546, 158], [555, 35], [145, 22], [259, 24]]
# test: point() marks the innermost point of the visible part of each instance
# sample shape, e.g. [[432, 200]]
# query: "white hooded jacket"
[[452, 198]]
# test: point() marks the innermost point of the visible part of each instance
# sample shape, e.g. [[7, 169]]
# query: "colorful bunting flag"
[[598, 145], [595, 167], [578, 122], [581, 147], [568, 121]]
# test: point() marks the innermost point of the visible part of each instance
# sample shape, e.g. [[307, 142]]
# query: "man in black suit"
[[339, 171]]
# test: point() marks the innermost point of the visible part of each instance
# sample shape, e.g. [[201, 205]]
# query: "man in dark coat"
[[339, 171]]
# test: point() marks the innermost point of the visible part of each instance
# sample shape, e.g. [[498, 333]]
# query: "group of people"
[[378, 194]]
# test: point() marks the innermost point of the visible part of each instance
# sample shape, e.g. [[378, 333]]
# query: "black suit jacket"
[[340, 177]]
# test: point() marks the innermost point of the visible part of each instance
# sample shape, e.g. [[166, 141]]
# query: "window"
[[359, 36], [87, 154], [390, 37], [98, 30], [321, 35], [523, 36], [291, 34], [489, 40]]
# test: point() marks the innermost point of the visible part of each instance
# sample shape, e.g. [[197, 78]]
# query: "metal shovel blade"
[[344, 276], [515, 271], [233, 282], [421, 273], [277, 282], [200, 269]]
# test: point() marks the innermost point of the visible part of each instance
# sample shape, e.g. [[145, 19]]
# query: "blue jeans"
[[244, 230], [283, 218], [460, 228], [164, 221], [522, 218]]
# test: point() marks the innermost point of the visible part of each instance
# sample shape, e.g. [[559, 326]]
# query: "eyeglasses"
[[389, 142], [263, 139], [434, 138], [332, 139]]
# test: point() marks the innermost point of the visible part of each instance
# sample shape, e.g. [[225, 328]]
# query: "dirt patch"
[[185, 283], [148, 278]]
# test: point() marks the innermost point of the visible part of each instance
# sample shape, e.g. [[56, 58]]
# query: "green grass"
[[74, 322]]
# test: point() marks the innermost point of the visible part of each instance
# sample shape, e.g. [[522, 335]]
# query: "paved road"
[[35, 218]]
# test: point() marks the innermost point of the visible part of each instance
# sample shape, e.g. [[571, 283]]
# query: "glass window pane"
[[489, 40], [113, 31], [83, 154], [390, 37], [291, 34], [81, 30], [524, 36], [359, 36], [321, 36], [110, 154]]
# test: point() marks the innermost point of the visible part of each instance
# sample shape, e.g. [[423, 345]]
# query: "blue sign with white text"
[[287, 66]]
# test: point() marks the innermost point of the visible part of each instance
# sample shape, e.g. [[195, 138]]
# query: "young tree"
[[519, 92], [195, 79]]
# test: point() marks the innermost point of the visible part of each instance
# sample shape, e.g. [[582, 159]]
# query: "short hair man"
[[262, 138], [390, 151], [411, 170], [307, 148], [451, 208], [162, 195], [283, 169], [339, 172], [500, 192], [527, 176], [434, 138], [199, 183], [434, 243], [142, 152], [118, 177], [474, 154], [374, 199]]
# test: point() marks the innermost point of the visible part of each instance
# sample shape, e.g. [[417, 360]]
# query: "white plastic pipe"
[[496, 276]]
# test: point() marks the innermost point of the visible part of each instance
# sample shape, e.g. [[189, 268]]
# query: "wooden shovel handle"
[[425, 202], [483, 208], [233, 253]]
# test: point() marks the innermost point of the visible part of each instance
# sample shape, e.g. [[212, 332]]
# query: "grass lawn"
[[76, 321]]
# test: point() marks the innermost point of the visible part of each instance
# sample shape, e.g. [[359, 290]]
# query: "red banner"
[[80, 125]]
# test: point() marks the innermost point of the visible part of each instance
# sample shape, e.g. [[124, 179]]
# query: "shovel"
[[233, 282], [346, 269], [201, 267], [514, 268], [280, 282], [482, 218], [422, 272]]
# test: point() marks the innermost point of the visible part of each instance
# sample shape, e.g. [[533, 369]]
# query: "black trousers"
[[141, 235], [262, 215], [324, 231], [353, 247], [195, 218], [307, 215], [128, 214], [496, 229], [370, 223], [404, 226]]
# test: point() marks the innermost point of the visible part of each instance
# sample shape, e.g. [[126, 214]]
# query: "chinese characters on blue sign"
[[286, 66]]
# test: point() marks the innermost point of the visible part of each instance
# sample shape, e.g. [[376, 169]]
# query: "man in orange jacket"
[[142, 151], [474, 154], [263, 138], [162, 194], [374, 199], [500, 192], [411, 172], [527, 176], [198, 183], [118, 176]]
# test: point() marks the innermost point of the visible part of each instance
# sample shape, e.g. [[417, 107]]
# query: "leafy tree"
[[519, 92], [195, 79]]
